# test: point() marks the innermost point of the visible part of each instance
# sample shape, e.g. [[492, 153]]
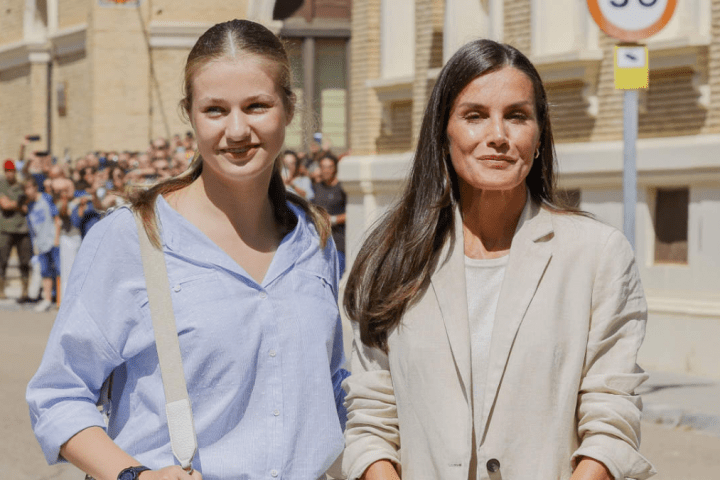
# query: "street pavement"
[[681, 434], [674, 400]]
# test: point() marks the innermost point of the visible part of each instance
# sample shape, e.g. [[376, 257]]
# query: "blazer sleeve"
[[609, 410], [372, 432]]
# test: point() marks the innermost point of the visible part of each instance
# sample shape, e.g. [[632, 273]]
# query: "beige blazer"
[[561, 376]]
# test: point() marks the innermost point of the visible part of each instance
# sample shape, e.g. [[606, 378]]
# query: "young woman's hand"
[[93, 452], [170, 473]]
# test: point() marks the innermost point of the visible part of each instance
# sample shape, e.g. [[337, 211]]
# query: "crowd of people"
[[49, 204]]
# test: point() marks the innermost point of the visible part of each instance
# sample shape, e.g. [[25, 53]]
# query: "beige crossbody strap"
[[177, 402]]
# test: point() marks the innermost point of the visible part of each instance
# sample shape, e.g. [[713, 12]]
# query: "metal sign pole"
[[630, 22], [630, 133]]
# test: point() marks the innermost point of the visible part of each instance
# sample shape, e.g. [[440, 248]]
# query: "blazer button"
[[493, 465]]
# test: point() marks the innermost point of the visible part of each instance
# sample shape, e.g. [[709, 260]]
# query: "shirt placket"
[[275, 415]]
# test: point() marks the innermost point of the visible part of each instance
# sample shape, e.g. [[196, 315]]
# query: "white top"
[[483, 279]]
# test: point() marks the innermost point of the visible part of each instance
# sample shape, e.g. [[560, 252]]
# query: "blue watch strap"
[[131, 473]]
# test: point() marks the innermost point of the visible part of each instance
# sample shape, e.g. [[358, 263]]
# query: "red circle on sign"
[[630, 35]]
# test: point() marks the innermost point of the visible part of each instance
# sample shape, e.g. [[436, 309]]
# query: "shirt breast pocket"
[[195, 295], [315, 308]]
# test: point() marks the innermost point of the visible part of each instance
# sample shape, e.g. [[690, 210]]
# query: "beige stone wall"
[[517, 24], [670, 107], [73, 12], [15, 111], [569, 115], [193, 11], [11, 21], [713, 119], [365, 65], [168, 65], [120, 65], [74, 130], [397, 137], [38, 107]]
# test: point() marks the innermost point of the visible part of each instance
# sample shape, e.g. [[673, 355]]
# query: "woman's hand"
[[93, 452], [381, 470], [590, 469], [170, 473]]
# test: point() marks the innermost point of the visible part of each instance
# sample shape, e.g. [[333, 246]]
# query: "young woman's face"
[[493, 131], [239, 117]]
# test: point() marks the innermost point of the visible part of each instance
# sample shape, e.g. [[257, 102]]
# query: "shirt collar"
[[184, 239]]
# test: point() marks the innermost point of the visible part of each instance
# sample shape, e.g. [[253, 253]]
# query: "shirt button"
[[274, 473], [493, 465], [263, 295], [177, 287], [276, 412], [273, 353]]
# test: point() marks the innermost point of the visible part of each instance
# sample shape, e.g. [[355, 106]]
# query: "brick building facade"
[[107, 74]]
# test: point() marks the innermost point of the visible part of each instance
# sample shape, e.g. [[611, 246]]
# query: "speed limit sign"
[[631, 20]]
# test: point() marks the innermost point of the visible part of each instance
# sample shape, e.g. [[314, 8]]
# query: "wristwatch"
[[131, 473]]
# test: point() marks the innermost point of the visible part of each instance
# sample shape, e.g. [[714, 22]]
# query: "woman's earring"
[[537, 152]]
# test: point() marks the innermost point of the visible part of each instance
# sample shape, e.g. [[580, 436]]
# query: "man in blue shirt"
[[44, 224]]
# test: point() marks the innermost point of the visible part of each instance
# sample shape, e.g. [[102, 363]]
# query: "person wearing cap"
[[13, 228]]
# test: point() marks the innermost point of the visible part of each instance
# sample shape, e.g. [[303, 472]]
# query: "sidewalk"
[[675, 399]]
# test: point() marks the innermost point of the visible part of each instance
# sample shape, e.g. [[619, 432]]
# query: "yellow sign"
[[631, 68]]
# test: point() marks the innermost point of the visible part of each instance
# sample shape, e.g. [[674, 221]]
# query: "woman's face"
[[239, 117], [493, 131]]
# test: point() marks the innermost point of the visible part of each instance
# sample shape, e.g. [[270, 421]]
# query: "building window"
[[671, 225], [330, 90]]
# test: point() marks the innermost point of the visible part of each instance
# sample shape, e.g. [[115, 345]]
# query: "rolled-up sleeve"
[[609, 410], [62, 395], [87, 338], [372, 432]]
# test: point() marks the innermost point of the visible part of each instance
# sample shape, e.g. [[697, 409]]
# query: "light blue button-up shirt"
[[262, 362]]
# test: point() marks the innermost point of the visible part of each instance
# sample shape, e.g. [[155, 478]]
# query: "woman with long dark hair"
[[496, 331], [253, 288]]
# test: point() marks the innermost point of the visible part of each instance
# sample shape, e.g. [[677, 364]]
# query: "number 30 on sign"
[[631, 20]]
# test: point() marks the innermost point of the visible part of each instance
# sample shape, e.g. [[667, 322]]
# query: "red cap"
[[9, 164]]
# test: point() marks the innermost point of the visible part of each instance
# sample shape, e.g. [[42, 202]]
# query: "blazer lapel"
[[448, 284], [530, 253]]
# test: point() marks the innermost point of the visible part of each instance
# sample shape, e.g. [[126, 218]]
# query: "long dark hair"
[[233, 39], [394, 265]]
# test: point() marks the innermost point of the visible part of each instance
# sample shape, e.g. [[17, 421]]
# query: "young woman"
[[254, 290], [496, 333]]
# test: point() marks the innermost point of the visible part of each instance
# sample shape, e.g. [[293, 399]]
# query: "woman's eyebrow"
[[252, 98], [523, 103]]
